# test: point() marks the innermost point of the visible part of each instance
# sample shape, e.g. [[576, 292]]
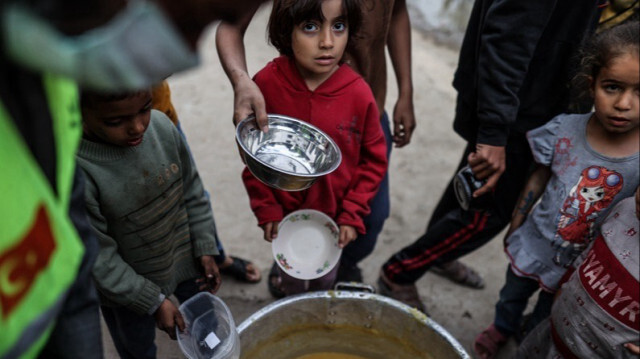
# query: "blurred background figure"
[[48, 305], [617, 12]]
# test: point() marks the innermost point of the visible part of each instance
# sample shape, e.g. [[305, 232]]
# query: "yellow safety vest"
[[40, 250]]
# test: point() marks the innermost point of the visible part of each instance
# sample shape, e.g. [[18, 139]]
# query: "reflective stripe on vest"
[[40, 251]]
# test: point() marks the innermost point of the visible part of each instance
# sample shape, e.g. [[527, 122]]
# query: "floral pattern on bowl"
[[307, 244], [283, 261]]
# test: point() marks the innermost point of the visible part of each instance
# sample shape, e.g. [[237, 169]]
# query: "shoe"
[[348, 273], [274, 282], [407, 294], [489, 342], [460, 273]]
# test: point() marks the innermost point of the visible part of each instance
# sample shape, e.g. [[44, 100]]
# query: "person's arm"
[[264, 204], [191, 17], [399, 45], [532, 191], [633, 348], [247, 96], [511, 31], [638, 202], [202, 229], [370, 171]]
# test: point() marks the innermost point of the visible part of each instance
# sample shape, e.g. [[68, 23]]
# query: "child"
[[154, 224], [597, 310], [240, 269], [310, 82], [587, 163], [367, 56]]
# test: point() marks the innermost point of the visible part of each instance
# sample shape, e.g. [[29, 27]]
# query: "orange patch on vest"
[[20, 265]]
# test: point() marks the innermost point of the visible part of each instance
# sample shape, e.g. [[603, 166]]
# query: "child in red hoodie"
[[310, 82]]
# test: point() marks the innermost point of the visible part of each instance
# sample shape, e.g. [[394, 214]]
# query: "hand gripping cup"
[[464, 184]]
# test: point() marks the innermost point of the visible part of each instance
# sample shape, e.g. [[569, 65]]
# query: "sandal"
[[489, 342], [238, 270], [274, 282], [407, 294], [460, 273]]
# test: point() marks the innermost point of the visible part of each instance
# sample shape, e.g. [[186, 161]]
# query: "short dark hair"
[[89, 97], [286, 14]]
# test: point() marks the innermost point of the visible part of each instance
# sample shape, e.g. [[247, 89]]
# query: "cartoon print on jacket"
[[594, 192]]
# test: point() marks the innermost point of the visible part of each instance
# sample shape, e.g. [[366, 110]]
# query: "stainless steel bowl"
[[291, 156]]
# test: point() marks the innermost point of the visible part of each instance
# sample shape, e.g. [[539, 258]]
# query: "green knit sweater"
[[149, 211]]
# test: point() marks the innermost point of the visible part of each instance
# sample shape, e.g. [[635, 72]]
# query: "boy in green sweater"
[[154, 224]]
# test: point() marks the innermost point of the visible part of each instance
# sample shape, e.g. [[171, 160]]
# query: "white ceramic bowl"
[[307, 244]]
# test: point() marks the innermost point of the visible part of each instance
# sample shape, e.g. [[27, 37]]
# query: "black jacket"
[[515, 65]]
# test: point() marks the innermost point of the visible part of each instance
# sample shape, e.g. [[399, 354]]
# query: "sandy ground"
[[419, 172]]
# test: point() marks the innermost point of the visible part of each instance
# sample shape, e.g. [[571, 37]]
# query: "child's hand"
[[633, 348], [347, 234], [211, 281], [167, 317], [270, 231]]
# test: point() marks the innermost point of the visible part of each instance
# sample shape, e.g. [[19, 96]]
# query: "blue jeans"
[[359, 249], [134, 334], [514, 297]]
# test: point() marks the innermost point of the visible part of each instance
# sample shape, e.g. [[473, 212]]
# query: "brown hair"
[[602, 49], [286, 14]]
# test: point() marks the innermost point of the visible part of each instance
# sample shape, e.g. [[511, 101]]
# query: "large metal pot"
[[366, 325]]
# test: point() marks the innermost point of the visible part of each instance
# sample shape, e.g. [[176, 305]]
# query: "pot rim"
[[345, 294]]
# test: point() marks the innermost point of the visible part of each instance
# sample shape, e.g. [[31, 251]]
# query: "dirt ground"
[[419, 172]]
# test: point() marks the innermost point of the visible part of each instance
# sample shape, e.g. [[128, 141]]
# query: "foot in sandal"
[[240, 269], [460, 273], [405, 293], [275, 282], [489, 342]]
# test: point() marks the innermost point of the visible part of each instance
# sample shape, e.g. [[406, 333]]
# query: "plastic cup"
[[210, 331]]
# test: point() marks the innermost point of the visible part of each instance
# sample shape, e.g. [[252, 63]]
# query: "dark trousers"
[[514, 297], [453, 232], [291, 285], [134, 334], [364, 244]]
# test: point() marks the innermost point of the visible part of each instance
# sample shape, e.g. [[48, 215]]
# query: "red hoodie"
[[345, 109]]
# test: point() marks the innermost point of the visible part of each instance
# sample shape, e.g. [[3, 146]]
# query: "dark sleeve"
[[202, 227], [512, 29]]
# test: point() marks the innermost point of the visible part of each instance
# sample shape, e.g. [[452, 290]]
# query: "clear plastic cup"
[[210, 331]]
